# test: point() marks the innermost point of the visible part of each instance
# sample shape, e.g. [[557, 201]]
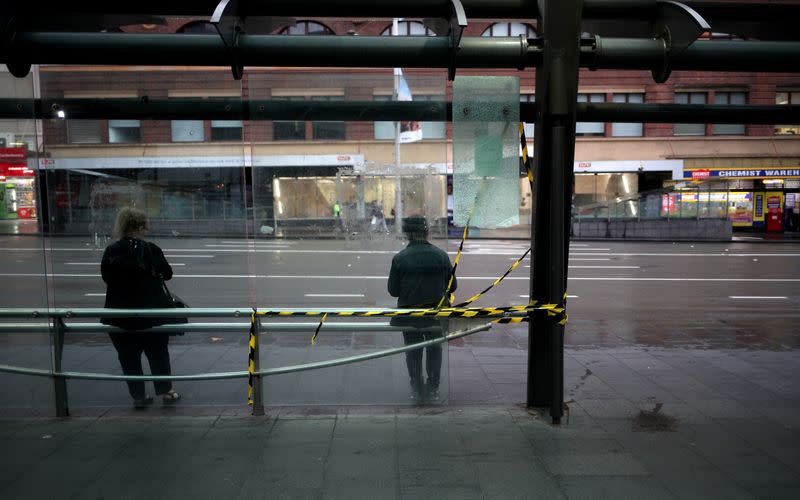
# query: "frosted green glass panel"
[[486, 151]]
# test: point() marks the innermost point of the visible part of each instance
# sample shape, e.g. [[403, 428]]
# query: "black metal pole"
[[386, 52], [144, 108], [556, 92], [476, 9]]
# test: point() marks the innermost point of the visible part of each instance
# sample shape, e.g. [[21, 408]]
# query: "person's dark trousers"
[[433, 358], [130, 346]]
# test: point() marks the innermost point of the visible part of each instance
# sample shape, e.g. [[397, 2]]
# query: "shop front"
[[757, 199], [17, 186]]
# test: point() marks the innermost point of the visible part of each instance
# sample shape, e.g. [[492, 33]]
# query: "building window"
[[786, 98], [510, 29], [327, 130], [627, 129], [289, 130], [226, 130], [430, 130], [690, 128], [529, 127], [83, 131], [124, 131], [590, 128], [187, 131], [729, 98], [409, 28], [308, 28]]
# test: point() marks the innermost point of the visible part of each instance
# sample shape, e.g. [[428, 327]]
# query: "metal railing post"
[[59, 383], [258, 388]]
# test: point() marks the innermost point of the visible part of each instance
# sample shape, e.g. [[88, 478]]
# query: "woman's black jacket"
[[134, 271]]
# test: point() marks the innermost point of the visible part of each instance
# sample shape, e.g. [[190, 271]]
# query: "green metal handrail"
[[242, 374]]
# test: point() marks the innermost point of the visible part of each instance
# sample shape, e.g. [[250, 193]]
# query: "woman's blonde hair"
[[130, 221]]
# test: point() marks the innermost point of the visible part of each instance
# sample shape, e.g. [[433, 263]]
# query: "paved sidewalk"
[[389, 452], [643, 423]]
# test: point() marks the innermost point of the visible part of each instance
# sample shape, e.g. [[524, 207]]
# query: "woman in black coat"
[[134, 271]]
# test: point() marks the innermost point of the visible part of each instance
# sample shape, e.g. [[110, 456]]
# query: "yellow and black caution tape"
[[251, 357], [444, 312], [495, 282], [448, 292], [525, 158], [319, 327]]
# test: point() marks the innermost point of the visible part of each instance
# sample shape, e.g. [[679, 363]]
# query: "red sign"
[[701, 174], [14, 163], [15, 170], [25, 212], [584, 164], [14, 156]]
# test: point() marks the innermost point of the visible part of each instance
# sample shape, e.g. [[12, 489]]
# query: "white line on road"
[[189, 256], [568, 296], [755, 297], [95, 294], [309, 251], [333, 295], [483, 278], [97, 264], [601, 267], [575, 260]]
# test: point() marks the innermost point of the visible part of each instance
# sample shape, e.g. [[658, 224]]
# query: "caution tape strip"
[[495, 282], [553, 310], [251, 357], [448, 292], [319, 327], [525, 158]]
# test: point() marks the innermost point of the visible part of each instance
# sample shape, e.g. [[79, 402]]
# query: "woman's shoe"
[[143, 402], [171, 397]]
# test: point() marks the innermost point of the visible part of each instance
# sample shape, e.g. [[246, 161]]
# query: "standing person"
[[418, 278], [134, 271]]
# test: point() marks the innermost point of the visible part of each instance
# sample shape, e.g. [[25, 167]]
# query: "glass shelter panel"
[[24, 256], [194, 199], [328, 223]]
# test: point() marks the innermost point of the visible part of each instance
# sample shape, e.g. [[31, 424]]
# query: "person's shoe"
[[171, 397], [143, 402], [417, 392], [433, 394]]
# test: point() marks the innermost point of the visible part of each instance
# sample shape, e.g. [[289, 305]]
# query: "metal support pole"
[[556, 93], [59, 383], [258, 387]]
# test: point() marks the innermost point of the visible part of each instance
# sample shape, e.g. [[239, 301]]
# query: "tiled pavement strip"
[[643, 423]]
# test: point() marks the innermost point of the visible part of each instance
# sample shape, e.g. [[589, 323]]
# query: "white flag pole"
[[398, 190]]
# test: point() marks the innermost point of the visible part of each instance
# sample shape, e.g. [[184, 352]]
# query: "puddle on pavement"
[[654, 421]]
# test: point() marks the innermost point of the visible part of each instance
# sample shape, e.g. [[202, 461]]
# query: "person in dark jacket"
[[134, 271], [418, 278]]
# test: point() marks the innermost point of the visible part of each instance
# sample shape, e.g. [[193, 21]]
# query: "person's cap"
[[415, 224]]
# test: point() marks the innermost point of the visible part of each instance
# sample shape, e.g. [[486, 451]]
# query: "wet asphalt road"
[[720, 294]]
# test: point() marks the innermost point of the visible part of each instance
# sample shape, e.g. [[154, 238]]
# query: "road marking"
[[97, 264], [568, 296], [601, 267], [595, 249], [601, 258], [333, 295], [190, 256], [293, 250], [95, 294], [755, 297], [489, 278], [239, 242]]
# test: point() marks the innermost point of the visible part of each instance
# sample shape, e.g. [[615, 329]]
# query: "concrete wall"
[[659, 229]]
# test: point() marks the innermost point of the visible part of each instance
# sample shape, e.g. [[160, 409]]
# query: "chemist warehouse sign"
[[741, 173]]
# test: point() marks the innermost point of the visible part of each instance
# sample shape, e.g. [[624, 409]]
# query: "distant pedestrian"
[[378, 218], [134, 271], [418, 278]]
